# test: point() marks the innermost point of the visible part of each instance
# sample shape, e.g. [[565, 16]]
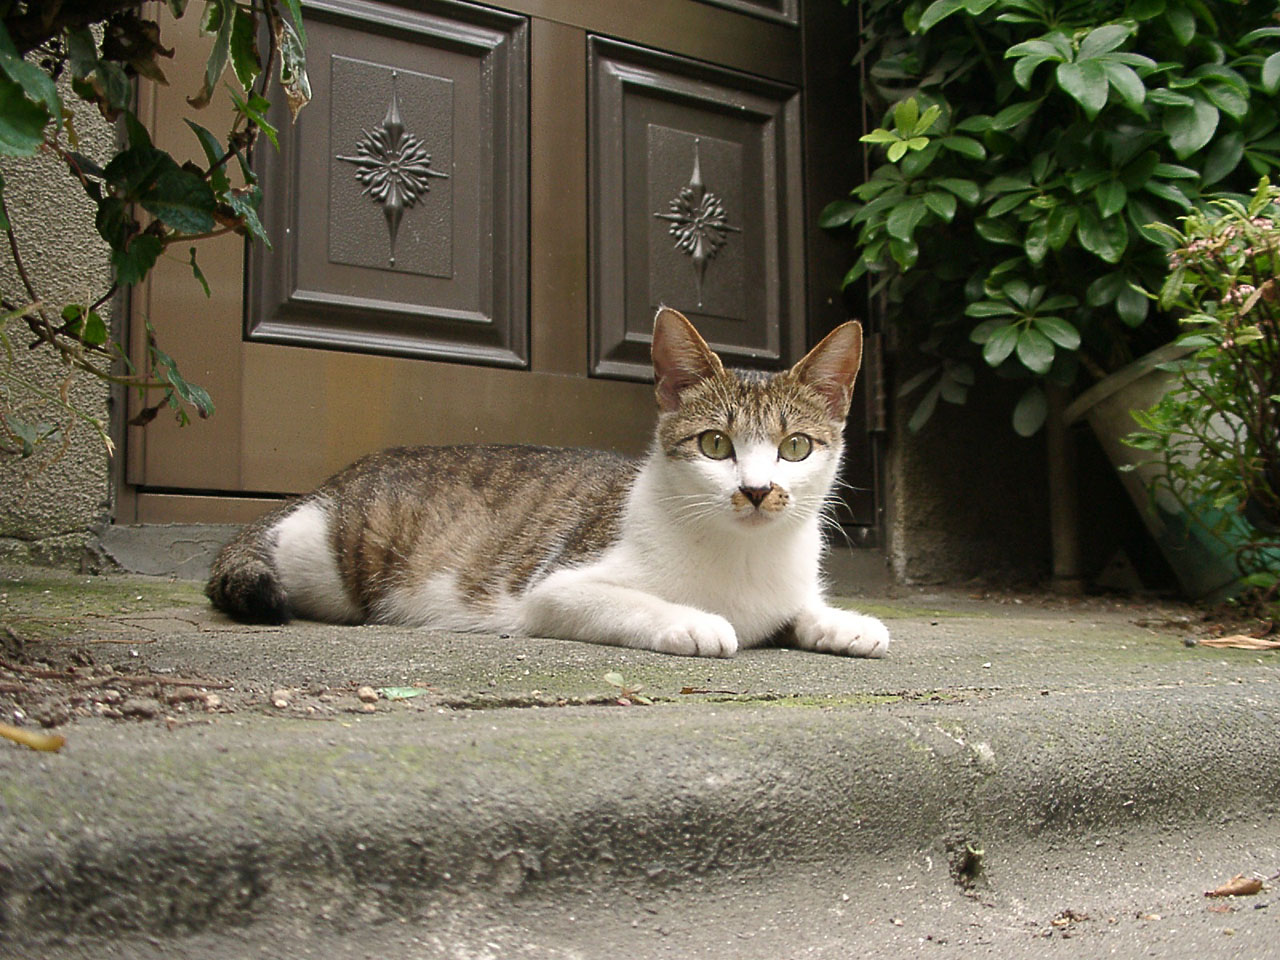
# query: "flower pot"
[[1203, 562]]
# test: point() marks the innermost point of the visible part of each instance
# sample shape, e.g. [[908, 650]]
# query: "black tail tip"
[[249, 596]]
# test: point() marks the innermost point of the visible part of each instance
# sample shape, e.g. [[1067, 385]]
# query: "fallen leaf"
[[47, 742], [400, 693], [1237, 886], [1221, 908], [1241, 641]]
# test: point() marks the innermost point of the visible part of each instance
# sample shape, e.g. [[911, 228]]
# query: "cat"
[[710, 543]]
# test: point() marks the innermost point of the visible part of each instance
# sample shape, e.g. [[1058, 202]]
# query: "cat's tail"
[[244, 582]]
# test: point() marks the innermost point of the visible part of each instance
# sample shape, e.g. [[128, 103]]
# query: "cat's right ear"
[[681, 358]]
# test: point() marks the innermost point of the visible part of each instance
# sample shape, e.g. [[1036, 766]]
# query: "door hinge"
[[877, 388]]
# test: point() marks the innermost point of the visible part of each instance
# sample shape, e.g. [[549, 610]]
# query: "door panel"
[[564, 167], [398, 201], [696, 201]]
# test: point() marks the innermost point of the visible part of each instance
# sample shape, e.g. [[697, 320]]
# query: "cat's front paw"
[[698, 634], [830, 630]]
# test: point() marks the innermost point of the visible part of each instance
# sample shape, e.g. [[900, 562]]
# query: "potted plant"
[[1025, 149], [1214, 478]]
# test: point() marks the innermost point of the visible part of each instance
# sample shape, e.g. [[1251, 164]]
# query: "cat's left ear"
[[831, 367], [681, 358]]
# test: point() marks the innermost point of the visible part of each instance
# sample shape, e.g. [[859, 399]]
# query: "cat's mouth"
[[759, 505]]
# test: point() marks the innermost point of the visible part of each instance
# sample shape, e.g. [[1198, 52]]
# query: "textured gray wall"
[[48, 502]]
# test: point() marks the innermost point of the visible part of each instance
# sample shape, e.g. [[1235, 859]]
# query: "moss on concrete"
[[41, 605]]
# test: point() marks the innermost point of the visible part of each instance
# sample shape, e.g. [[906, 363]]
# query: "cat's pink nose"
[[755, 494]]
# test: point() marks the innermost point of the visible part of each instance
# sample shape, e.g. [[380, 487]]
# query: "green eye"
[[795, 447], [715, 445]]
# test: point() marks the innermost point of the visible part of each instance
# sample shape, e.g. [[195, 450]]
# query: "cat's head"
[[745, 448]]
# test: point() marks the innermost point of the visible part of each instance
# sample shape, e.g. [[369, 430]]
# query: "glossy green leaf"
[[837, 213], [988, 308], [1103, 238], [22, 122], [996, 231], [904, 252], [1060, 223], [938, 11], [926, 121], [1170, 192], [1035, 350], [36, 85], [1223, 157], [1009, 202], [965, 146], [182, 200], [880, 135], [1086, 82], [1000, 345], [1226, 99], [1126, 83], [1060, 331], [1170, 98], [905, 217], [905, 115], [978, 123], [1271, 73], [966, 190], [1024, 70], [1132, 306], [1030, 412], [1036, 241], [1102, 40], [1182, 22], [1011, 116], [942, 204], [1190, 128], [1110, 197], [1020, 292]]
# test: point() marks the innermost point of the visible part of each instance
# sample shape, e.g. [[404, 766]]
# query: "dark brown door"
[[472, 224]]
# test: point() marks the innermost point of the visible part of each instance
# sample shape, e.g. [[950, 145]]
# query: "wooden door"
[[471, 227]]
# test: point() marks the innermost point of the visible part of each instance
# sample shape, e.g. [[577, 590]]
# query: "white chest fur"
[[756, 577]]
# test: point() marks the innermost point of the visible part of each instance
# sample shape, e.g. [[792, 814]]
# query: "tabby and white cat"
[[710, 543]]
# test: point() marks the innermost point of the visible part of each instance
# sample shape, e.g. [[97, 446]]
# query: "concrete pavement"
[[1018, 771]]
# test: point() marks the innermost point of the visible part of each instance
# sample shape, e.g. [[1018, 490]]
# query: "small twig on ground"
[[40, 673], [48, 742]]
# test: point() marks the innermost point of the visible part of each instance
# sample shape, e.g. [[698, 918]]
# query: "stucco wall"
[[49, 501]]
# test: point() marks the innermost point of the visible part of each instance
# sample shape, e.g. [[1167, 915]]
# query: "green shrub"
[[1025, 150], [1216, 435]]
